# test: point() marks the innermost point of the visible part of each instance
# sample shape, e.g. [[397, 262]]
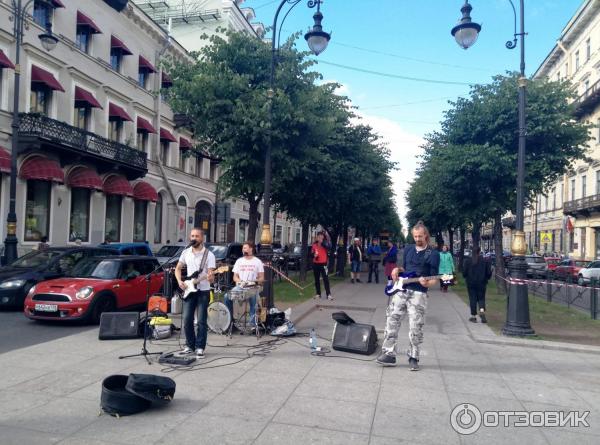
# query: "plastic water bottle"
[[313, 340]]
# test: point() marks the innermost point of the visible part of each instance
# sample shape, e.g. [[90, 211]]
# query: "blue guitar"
[[412, 277]]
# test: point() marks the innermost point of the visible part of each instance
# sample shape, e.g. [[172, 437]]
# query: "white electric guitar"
[[398, 285], [194, 279]]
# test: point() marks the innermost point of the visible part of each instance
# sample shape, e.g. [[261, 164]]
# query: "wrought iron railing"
[[60, 133], [586, 103], [582, 204]]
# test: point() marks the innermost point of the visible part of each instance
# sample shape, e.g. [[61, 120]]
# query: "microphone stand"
[[148, 277]]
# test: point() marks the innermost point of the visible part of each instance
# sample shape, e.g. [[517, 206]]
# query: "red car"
[[552, 262], [95, 285], [569, 268]]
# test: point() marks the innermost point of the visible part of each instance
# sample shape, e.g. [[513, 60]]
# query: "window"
[[298, 236], [576, 61], [116, 57], [199, 166], [158, 220], [562, 193], [112, 229], [182, 159], [115, 128], [583, 186], [278, 230], [213, 172], [553, 198], [546, 208], [39, 100], [572, 189], [41, 13], [567, 69], [80, 214], [82, 38], [164, 152], [586, 87], [139, 220], [243, 225], [37, 210], [81, 118], [142, 140], [588, 49], [143, 78]]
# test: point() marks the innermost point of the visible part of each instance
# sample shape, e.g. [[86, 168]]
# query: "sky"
[[379, 48]]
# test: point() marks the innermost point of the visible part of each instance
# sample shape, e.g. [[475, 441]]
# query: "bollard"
[[594, 298], [549, 286], [568, 282]]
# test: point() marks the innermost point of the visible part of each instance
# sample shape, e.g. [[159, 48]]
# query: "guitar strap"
[[202, 263]]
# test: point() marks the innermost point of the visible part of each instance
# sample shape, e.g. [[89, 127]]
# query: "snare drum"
[[219, 318], [237, 294]]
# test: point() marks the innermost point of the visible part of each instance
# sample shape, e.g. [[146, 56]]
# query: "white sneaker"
[[329, 297], [187, 350], [200, 353]]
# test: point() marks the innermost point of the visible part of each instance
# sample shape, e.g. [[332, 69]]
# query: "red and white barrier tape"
[[285, 277], [525, 282]]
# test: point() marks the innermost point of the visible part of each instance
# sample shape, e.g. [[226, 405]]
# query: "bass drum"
[[219, 318]]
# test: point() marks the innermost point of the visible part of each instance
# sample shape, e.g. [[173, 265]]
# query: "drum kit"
[[221, 321]]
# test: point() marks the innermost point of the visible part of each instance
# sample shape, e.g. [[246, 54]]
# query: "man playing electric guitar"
[[422, 261], [200, 261]]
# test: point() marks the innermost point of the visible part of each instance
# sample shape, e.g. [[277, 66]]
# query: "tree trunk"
[[500, 267], [476, 236], [451, 240], [461, 252], [305, 227], [253, 219], [331, 253], [439, 240]]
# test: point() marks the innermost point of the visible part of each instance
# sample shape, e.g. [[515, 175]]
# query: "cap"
[[356, 239]]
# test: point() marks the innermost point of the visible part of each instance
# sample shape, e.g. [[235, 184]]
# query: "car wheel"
[[102, 303]]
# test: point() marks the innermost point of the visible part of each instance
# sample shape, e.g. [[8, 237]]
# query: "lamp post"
[[517, 314], [49, 42], [317, 41]]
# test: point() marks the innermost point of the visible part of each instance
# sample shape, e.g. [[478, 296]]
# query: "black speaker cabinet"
[[119, 325], [355, 337]]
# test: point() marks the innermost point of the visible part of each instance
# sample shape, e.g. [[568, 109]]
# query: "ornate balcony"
[[588, 101], [583, 206], [37, 131]]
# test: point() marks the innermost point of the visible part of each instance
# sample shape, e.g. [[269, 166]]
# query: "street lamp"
[[317, 41], [517, 314], [49, 41]]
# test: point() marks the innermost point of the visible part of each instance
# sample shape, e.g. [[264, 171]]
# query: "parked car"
[[94, 286], [226, 254], [169, 251], [589, 273], [294, 258], [536, 266], [569, 268], [18, 278], [130, 248]]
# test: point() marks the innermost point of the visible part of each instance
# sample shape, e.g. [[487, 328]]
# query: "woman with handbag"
[[446, 266]]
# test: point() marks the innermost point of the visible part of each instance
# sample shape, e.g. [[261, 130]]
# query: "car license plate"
[[46, 307]]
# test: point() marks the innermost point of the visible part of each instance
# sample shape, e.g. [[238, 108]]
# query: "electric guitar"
[[193, 279], [411, 277]]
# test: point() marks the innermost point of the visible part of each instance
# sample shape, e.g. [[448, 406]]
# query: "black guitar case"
[[155, 388], [117, 401]]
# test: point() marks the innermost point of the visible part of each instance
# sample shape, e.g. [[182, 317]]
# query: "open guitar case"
[[126, 395]]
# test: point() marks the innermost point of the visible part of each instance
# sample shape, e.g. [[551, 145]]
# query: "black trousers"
[[318, 270], [476, 297], [374, 270]]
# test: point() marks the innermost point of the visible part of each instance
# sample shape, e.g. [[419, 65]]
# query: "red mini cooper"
[[95, 285]]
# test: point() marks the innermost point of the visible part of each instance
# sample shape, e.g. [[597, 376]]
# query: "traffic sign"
[[545, 237]]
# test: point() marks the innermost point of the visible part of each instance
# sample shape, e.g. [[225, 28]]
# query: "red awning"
[[116, 112], [184, 144], [84, 20], [57, 3], [145, 65], [144, 125], [85, 98], [145, 192], [115, 43], [5, 61], [84, 177], [4, 160], [166, 135], [117, 185], [166, 80], [42, 168], [38, 75]]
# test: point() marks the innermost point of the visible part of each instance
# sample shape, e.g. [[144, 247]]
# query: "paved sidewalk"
[[50, 392]]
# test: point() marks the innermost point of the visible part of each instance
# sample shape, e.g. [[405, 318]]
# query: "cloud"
[[342, 90], [405, 151]]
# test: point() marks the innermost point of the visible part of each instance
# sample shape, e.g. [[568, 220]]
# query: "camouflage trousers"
[[414, 304]]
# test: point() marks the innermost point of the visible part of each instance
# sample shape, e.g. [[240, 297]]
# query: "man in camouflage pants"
[[422, 260]]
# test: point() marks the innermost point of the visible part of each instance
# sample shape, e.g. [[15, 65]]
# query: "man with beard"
[[423, 261]]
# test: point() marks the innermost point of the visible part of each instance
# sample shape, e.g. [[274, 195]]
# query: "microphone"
[[192, 243]]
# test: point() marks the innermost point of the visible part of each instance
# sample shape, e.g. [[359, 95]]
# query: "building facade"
[[567, 218]]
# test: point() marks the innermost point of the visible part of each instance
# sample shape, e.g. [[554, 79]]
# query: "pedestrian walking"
[[446, 266], [477, 272], [319, 252], [423, 261], [355, 258], [390, 260], [374, 257]]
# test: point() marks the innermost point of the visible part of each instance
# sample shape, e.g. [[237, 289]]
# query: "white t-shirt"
[[248, 269], [193, 260]]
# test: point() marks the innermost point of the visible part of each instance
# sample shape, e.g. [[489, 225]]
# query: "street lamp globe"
[[466, 32], [48, 39], [316, 38]]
